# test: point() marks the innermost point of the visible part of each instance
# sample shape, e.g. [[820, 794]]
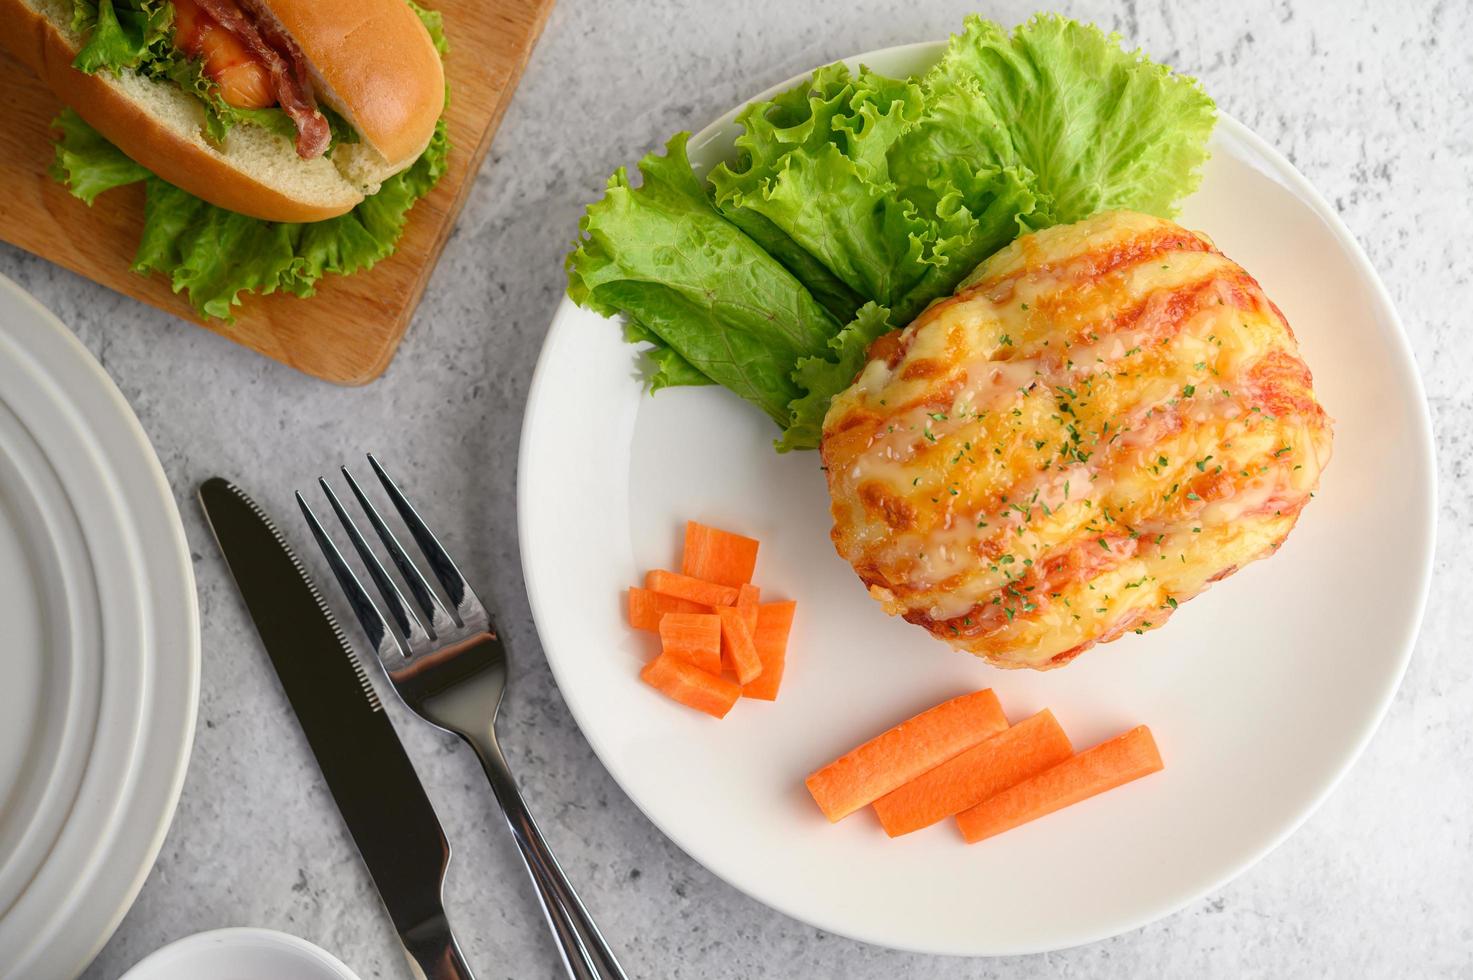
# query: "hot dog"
[[199, 97]]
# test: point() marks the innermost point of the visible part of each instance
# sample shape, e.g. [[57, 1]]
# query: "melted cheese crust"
[[1106, 418]]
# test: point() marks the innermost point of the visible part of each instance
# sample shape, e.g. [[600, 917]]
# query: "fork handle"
[[585, 953]]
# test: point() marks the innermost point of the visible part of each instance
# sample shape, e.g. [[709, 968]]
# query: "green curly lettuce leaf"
[[211, 253], [1099, 127], [830, 166], [813, 167], [667, 369], [217, 255], [824, 377], [714, 302], [975, 213], [827, 288], [121, 34], [434, 23], [87, 163]]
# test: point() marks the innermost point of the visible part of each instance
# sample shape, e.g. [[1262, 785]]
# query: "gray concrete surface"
[[1375, 107]]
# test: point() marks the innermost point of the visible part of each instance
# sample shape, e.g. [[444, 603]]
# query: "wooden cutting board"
[[349, 330]]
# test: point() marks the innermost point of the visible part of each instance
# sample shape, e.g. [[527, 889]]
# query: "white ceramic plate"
[[1261, 692], [100, 657], [241, 954]]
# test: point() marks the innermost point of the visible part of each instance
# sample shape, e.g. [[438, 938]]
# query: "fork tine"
[[467, 606], [379, 637], [414, 632], [440, 623]]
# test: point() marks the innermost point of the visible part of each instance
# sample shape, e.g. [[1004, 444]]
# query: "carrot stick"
[[646, 608], [737, 648], [690, 589], [718, 556], [747, 596], [694, 638], [691, 686], [774, 621], [1123, 758], [984, 770], [893, 758]]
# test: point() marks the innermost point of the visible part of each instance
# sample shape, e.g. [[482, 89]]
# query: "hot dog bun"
[[370, 60]]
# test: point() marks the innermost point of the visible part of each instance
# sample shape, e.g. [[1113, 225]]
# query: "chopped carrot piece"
[[694, 638], [690, 589], [718, 556], [774, 621], [737, 647], [646, 608], [1123, 758], [747, 596], [691, 686], [893, 758], [983, 771]]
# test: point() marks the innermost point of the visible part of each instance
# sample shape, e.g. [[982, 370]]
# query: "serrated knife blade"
[[371, 778]]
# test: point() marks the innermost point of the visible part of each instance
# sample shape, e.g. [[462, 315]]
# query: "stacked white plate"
[[99, 664]]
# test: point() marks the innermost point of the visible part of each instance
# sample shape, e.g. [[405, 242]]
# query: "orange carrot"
[[718, 556], [737, 648], [1123, 758], [691, 686], [893, 758], [747, 596], [983, 771], [690, 589], [694, 638], [774, 620], [646, 608]]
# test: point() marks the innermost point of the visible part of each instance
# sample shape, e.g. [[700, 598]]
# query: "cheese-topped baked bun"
[[1107, 417]]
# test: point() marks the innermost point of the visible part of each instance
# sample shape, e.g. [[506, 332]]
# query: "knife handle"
[[586, 955], [433, 951]]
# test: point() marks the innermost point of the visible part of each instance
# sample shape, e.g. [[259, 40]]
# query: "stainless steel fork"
[[452, 672]]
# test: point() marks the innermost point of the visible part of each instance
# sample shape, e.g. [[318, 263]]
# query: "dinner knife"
[[370, 776]]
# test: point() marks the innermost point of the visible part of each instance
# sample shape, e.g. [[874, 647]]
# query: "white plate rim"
[[542, 390], [220, 942], [152, 785]]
